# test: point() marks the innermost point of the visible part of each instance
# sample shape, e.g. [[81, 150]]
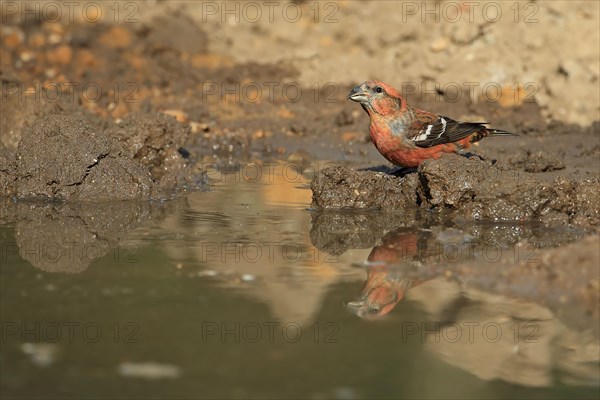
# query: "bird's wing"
[[431, 129]]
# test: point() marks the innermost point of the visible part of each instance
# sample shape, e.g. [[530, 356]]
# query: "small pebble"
[[439, 44], [27, 56]]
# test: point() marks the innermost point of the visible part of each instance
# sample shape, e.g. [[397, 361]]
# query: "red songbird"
[[408, 136]]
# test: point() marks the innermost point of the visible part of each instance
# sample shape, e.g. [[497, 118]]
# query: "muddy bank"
[[157, 142], [65, 157], [233, 109], [467, 187]]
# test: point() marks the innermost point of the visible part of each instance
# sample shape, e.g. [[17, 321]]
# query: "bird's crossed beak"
[[362, 308], [375, 303], [358, 94], [355, 304]]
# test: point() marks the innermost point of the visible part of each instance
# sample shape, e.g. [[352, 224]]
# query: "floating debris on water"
[[149, 370], [42, 354]]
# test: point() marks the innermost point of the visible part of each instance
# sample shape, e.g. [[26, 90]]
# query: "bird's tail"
[[477, 136]]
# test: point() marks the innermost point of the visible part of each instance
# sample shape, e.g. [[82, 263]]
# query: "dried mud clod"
[[70, 157], [64, 157], [153, 140], [338, 187], [468, 187]]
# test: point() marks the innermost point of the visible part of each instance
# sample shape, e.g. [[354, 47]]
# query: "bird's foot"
[[470, 155], [473, 155]]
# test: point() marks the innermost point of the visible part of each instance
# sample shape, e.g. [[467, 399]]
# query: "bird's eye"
[[378, 89]]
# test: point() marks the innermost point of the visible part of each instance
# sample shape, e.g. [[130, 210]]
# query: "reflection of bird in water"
[[386, 284]]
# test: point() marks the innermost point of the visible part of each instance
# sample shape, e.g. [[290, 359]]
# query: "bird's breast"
[[387, 143], [388, 135], [397, 127]]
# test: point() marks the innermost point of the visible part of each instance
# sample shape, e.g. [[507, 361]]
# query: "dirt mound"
[[152, 139], [64, 157], [469, 187], [67, 157], [338, 187]]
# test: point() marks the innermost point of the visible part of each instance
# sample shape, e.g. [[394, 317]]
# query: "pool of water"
[[245, 292]]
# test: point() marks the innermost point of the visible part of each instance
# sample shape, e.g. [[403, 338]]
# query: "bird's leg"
[[468, 154]]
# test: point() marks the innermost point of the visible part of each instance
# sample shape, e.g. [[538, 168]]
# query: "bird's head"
[[377, 97], [376, 302]]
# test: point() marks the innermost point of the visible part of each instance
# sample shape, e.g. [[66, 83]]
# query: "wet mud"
[[467, 187], [64, 157]]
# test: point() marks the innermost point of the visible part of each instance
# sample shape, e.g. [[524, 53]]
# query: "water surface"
[[244, 292]]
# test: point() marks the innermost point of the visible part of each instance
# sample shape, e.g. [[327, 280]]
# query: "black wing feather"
[[445, 130]]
